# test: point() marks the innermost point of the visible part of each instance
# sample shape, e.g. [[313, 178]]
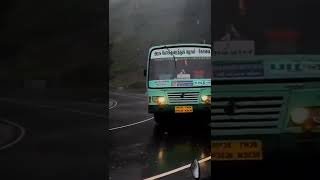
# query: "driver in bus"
[[182, 71], [184, 65]]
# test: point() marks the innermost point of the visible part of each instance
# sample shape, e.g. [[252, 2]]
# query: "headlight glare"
[[204, 98], [299, 115], [161, 100]]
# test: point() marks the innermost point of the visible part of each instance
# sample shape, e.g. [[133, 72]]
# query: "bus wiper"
[[174, 59]]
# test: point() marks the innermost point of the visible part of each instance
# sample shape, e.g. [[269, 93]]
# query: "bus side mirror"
[[195, 169], [144, 72]]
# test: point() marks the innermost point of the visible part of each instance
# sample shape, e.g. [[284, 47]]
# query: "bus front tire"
[[160, 118]]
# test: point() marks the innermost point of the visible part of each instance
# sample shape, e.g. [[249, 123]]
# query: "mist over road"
[[136, 25]]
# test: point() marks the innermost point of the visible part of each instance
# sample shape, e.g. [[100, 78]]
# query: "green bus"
[[265, 103], [178, 81]]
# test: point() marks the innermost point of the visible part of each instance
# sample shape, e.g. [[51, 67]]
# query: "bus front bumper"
[[282, 145], [196, 108], [280, 152]]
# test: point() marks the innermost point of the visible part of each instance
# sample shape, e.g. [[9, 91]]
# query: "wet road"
[[10, 133], [145, 150], [62, 140], [140, 148]]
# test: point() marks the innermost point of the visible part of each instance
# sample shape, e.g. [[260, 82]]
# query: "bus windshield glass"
[[257, 43], [183, 67]]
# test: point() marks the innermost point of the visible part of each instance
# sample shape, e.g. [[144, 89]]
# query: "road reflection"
[[176, 145]]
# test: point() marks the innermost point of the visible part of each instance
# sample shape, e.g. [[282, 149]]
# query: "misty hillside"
[[136, 25]]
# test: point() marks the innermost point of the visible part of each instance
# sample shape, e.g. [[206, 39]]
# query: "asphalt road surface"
[[10, 133], [141, 149], [62, 139]]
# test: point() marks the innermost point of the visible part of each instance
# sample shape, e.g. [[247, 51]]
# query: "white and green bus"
[[179, 81], [265, 102]]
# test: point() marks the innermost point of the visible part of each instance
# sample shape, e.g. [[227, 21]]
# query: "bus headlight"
[[161, 100], [206, 99], [299, 115]]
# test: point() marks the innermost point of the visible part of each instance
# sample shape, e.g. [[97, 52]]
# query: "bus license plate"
[[183, 109], [236, 150]]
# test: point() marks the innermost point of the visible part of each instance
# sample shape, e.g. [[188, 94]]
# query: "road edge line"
[[115, 103], [22, 134], [132, 124], [176, 170]]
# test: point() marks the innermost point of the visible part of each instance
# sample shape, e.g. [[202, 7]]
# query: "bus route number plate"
[[183, 109], [237, 150]]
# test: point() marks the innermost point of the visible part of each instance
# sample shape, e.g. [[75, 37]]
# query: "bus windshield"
[[276, 27], [265, 39], [183, 67]]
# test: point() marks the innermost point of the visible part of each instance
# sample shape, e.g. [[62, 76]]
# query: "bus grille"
[[246, 115], [183, 97]]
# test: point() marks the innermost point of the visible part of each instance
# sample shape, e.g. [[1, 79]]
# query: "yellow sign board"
[[183, 109], [226, 150]]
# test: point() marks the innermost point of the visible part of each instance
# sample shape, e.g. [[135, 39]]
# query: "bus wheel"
[[160, 118], [206, 119]]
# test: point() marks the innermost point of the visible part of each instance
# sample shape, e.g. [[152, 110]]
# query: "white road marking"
[[132, 124], [115, 103], [176, 170], [128, 125], [22, 130], [198, 21]]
